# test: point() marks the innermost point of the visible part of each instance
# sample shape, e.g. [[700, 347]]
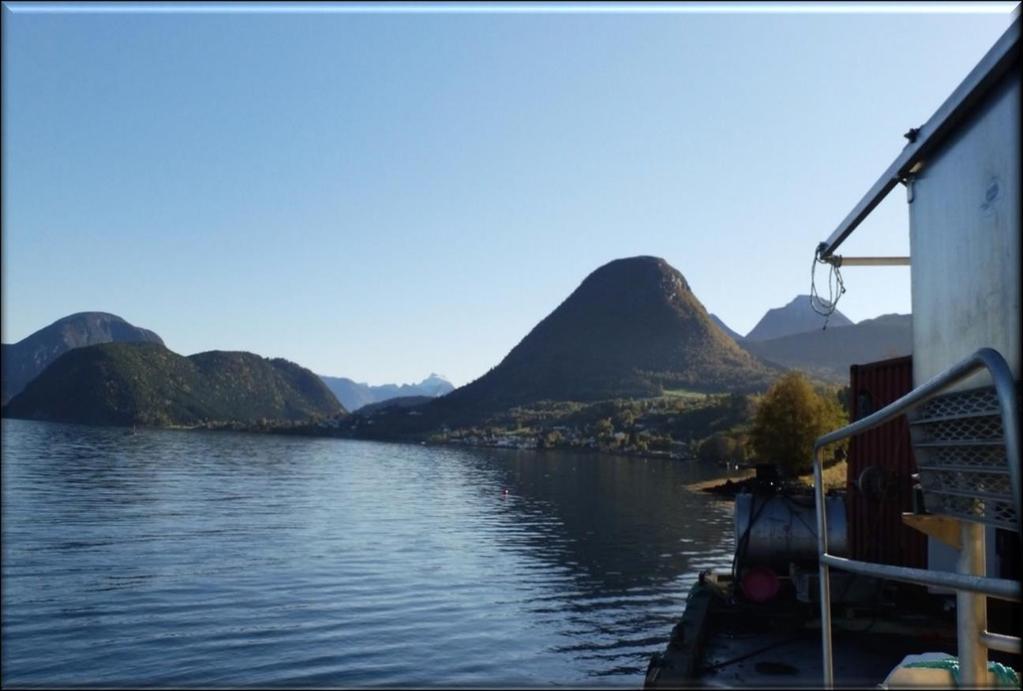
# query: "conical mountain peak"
[[798, 316], [633, 327], [645, 272]]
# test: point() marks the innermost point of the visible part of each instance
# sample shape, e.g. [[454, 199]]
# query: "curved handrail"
[[985, 358], [1001, 375]]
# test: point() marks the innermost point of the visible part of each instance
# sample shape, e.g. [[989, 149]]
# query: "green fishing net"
[[1005, 677]]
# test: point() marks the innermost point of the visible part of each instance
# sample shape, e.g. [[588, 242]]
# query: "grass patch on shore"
[[715, 481], [833, 477]]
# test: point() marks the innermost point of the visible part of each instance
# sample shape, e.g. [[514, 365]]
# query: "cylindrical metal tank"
[[784, 528]]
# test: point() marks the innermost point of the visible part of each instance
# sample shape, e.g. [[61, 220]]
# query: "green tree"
[[844, 396], [789, 419], [717, 448], [625, 419], [740, 406], [551, 439], [741, 453]]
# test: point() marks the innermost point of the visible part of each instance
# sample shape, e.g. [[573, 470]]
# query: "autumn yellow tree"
[[789, 419]]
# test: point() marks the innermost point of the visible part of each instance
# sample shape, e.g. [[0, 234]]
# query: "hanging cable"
[[836, 287]]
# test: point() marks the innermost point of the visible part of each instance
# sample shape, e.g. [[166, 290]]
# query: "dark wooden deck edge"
[[676, 666]]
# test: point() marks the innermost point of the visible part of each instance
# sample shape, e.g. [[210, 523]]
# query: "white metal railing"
[[971, 585]]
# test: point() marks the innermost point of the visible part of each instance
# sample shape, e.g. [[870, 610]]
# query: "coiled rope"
[[836, 286]]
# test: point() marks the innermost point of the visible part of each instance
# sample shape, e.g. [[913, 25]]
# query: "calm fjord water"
[[223, 559]]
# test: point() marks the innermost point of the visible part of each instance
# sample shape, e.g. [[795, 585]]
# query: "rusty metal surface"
[[874, 512]]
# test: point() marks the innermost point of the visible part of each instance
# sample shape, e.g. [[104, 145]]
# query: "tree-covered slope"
[[24, 360], [147, 384], [728, 331], [632, 328]]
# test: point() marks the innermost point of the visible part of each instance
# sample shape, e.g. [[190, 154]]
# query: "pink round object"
[[760, 584]]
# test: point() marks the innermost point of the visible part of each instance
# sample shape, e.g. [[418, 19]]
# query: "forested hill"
[[24, 360], [728, 331], [632, 328], [147, 384]]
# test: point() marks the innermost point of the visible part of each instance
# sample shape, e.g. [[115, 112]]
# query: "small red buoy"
[[760, 584]]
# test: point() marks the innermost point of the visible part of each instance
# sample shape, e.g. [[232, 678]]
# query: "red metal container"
[[880, 466]]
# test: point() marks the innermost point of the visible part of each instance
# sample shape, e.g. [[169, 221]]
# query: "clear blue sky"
[[383, 194]]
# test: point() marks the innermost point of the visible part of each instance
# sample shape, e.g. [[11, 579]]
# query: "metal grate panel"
[[979, 457], [960, 429], [983, 401], [960, 454], [966, 482], [999, 513]]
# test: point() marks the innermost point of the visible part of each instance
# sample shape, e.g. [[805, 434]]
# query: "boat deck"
[[723, 642], [793, 658]]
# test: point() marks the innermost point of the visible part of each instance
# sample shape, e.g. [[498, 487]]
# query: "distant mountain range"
[[825, 353], [399, 402], [25, 360], [633, 328], [796, 317], [147, 384], [829, 353], [354, 395]]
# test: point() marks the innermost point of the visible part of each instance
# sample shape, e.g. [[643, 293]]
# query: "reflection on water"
[[200, 558]]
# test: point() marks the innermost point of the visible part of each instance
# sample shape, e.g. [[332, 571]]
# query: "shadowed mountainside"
[[734, 335], [25, 360], [399, 402], [632, 328], [828, 354], [147, 384]]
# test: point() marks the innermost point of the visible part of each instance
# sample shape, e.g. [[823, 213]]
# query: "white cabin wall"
[[965, 247], [965, 243]]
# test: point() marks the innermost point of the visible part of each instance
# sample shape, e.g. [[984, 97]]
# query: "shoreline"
[[714, 482], [319, 433], [304, 431], [834, 477]]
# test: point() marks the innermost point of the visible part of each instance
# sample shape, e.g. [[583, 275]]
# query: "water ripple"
[[170, 558]]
